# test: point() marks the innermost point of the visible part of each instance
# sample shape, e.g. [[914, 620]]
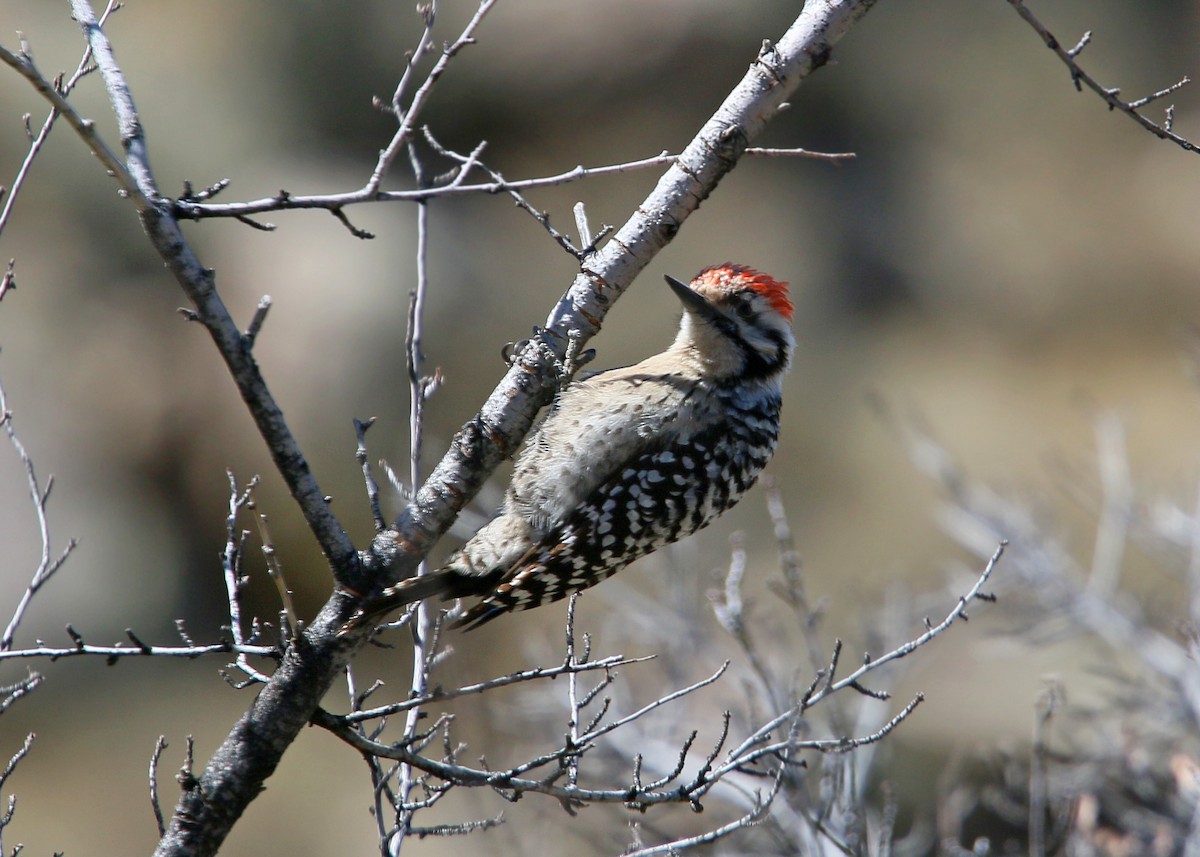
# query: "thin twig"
[[1111, 96], [360, 455], [13, 692], [159, 746], [410, 114], [957, 612], [513, 778], [823, 687], [231, 563], [424, 636], [112, 653], [536, 674], [836, 157], [591, 736], [198, 211], [424, 44], [574, 706], [85, 128], [201, 210], [762, 805], [47, 564], [524, 204], [275, 570], [7, 816], [256, 323], [825, 745], [8, 281], [792, 589], [35, 144], [729, 609], [510, 780]]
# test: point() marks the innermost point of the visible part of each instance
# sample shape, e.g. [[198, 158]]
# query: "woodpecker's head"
[[737, 321]]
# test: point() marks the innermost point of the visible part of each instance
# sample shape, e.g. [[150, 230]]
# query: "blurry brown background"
[[1003, 257]]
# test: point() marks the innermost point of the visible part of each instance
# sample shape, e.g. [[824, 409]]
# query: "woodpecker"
[[630, 459]]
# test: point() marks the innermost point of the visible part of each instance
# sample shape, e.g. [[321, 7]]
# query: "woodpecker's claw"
[[510, 350]]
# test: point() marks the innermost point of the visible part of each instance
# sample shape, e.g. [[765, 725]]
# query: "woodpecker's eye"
[[743, 309]]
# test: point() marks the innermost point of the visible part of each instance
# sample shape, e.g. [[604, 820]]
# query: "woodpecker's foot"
[[566, 367], [563, 368], [511, 350], [573, 359]]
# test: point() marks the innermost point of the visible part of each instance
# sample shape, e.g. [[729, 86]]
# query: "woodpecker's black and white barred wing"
[[675, 486], [597, 428]]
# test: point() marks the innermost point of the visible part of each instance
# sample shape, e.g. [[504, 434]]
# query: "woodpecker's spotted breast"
[[631, 459]]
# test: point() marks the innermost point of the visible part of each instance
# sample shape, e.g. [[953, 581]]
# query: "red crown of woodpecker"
[[728, 278]]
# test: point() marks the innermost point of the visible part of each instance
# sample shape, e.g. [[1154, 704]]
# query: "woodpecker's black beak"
[[691, 301]]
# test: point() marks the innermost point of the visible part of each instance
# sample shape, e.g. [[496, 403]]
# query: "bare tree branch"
[[424, 626], [211, 803], [22, 63], [762, 805], [768, 751], [113, 653], [199, 283], [438, 695], [64, 88], [409, 116], [1111, 96], [11, 694], [159, 746], [38, 495], [193, 208]]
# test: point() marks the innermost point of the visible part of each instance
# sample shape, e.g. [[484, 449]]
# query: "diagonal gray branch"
[[199, 283]]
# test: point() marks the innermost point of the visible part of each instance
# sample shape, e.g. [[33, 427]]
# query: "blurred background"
[[1004, 260]]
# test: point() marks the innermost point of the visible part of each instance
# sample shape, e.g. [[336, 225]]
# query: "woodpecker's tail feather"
[[480, 614], [440, 583]]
